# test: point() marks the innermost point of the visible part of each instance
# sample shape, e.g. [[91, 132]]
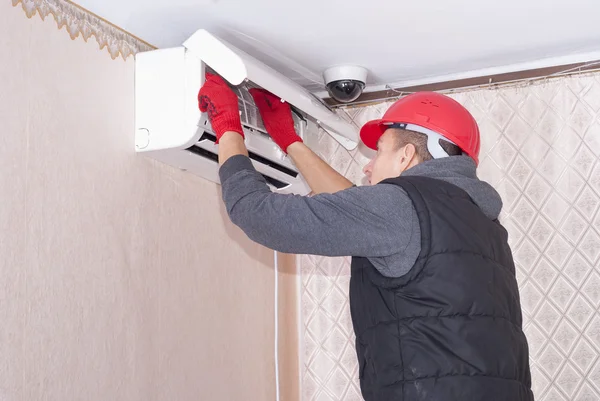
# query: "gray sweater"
[[378, 222]]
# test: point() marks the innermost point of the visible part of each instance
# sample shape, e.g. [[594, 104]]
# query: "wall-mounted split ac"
[[171, 128]]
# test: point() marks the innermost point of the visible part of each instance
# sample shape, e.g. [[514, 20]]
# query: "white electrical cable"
[[276, 267]]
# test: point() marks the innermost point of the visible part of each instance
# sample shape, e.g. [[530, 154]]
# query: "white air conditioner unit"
[[171, 128]]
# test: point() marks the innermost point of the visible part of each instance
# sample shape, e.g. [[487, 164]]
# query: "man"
[[434, 300]]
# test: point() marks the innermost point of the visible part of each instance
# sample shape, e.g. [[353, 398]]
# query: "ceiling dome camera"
[[345, 83]]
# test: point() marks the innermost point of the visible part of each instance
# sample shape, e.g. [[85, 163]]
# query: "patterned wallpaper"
[[541, 150]]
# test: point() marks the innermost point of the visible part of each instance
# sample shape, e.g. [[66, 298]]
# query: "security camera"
[[345, 83]]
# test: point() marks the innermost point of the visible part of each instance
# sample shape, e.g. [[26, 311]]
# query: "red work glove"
[[277, 117], [220, 102]]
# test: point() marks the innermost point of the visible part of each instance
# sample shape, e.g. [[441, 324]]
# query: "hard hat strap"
[[433, 138]]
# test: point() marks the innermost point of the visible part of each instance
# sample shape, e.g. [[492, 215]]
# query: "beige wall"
[[122, 279]]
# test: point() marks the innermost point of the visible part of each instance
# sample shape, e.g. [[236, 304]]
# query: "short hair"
[[419, 141]]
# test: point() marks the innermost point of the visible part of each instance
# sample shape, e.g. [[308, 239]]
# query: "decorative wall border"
[[79, 21]]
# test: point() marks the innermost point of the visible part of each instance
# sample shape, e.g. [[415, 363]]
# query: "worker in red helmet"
[[433, 295]]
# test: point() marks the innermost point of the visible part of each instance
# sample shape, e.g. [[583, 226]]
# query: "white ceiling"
[[400, 42]]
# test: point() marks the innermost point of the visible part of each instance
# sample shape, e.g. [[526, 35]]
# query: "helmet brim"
[[371, 132]]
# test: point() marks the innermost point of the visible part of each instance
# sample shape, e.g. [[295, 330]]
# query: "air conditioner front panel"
[[237, 66]]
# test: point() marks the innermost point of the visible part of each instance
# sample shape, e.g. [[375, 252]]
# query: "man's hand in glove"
[[277, 117], [220, 102]]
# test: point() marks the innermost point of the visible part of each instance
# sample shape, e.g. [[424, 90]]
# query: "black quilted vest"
[[451, 329]]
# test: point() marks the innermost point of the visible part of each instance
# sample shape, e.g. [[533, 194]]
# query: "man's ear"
[[409, 152]]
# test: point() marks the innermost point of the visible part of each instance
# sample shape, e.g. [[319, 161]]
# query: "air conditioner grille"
[[210, 137], [197, 150]]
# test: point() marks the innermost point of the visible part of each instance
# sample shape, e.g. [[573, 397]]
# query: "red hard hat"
[[433, 112]]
